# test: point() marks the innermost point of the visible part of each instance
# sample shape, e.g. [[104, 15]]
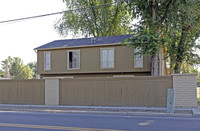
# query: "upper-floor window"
[[138, 60], [47, 60], [74, 59], [107, 58]]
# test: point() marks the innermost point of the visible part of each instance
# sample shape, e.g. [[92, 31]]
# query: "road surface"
[[43, 121]]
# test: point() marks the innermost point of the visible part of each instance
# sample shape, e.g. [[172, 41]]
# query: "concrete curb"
[[104, 112], [127, 111]]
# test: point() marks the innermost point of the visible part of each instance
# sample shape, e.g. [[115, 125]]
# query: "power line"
[[56, 13]]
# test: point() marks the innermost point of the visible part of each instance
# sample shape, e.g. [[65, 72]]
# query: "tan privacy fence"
[[22, 92], [123, 91], [136, 91]]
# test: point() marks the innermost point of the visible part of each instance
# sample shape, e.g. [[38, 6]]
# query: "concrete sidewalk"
[[153, 111]]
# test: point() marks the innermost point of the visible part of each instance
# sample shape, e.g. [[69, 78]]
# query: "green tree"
[[33, 66], [187, 68], [111, 19], [26, 73], [6, 65], [1, 73], [182, 33], [169, 24], [16, 69]]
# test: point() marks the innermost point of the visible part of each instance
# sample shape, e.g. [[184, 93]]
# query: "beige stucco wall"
[[133, 91], [127, 91], [30, 92], [90, 61], [185, 87]]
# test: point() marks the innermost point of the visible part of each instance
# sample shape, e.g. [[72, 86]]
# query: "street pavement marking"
[[55, 127]]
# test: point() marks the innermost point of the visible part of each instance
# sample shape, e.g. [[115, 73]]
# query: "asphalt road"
[[42, 121]]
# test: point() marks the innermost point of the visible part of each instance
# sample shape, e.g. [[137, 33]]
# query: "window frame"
[[101, 51], [69, 62], [45, 64], [135, 51]]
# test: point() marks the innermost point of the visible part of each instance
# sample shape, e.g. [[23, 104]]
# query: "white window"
[[73, 59], [138, 60], [47, 60], [107, 58]]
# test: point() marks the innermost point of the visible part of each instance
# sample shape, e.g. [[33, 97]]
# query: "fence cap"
[[69, 77], [185, 74], [5, 78]]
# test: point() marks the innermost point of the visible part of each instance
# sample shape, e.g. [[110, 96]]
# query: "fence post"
[[51, 91], [185, 86]]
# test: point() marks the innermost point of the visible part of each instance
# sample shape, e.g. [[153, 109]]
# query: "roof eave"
[[76, 46]]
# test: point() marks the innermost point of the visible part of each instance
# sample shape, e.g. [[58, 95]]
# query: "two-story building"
[[91, 57]]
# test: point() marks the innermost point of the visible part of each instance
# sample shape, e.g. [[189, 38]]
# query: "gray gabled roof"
[[105, 40]]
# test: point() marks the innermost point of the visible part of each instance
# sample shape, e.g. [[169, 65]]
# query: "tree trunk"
[[154, 10], [171, 66], [155, 65], [155, 61], [177, 67], [180, 51]]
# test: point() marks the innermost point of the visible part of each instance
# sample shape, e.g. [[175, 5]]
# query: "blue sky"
[[18, 39]]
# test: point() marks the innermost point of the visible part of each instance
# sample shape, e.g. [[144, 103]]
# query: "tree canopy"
[[107, 20], [15, 69], [1, 73], [33, 67], [169, 24]]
